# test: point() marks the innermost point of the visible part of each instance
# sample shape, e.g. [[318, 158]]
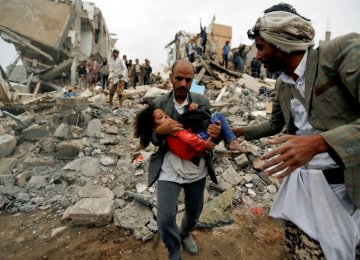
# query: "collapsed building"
[[80, 157], [51, 39]]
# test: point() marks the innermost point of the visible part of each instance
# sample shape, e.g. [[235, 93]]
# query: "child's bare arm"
[[170, 127]]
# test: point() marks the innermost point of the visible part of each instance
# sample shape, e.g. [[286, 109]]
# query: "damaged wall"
[[52, 34], [220, 34]]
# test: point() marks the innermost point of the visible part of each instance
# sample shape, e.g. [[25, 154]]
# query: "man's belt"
[[334, 176]]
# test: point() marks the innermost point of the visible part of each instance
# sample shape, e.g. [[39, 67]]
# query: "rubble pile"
[[79, 157]]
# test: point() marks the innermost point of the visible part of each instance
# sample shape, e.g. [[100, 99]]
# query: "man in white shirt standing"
[[117, 77]]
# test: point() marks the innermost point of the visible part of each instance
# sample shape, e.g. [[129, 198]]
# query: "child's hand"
[[193, 106], [169, 127], [209, 145]]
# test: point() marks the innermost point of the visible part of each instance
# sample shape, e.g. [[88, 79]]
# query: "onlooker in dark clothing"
[[81, 73], [225, 52], [104, 72], [93, 72], [255, 68], [190, 50], [203, 35], [148, 70]]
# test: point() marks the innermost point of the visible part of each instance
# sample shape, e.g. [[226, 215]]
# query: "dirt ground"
[[27, 236]]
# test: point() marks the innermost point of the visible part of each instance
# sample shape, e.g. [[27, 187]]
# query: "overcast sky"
[[144, 27]]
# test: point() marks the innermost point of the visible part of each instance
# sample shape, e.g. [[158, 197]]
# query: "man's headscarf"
[[287, 31]]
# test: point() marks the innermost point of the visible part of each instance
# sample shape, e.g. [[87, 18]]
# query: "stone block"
[[93, 191], [63, 132], [6, 165], [68, 150], [91, 211], [35, 134], [231, 176], [7, 145], [94, 127], [241, 161]]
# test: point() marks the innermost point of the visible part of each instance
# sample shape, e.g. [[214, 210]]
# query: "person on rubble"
[[147, 74], [104, 72], [81, 74], [225, 54], [190, 50], [255, 68], [187, 175], [136, 74], [158, 78], [203, 36], [317, 100], [93, 72], [117, 77]]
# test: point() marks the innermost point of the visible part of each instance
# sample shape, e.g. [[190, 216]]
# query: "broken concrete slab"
[[143, 233], [214, 213], [37, 181], [68, 150], [94, 191], [35, 133], [94, 127], [3, 201], [87, 166], [109, 160], [6, 165], [63, 132], [9, 190], [91, 211], [133, 215], [7, 145], [231, 176], [241, 161], [34, 161]]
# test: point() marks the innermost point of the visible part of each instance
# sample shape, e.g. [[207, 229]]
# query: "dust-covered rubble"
[[87, 166]]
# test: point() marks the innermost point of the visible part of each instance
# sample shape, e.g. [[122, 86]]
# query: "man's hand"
[[214, 129], [209, 145], [170, 127], [238, 131], [293, 152]]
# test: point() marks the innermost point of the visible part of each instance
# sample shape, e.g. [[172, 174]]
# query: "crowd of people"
[[115, 74], [91, 72], [316, 103]]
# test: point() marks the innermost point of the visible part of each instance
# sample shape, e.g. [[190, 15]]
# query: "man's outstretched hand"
[[293, 152]]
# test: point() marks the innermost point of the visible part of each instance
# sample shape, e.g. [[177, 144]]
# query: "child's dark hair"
[[144, 124]]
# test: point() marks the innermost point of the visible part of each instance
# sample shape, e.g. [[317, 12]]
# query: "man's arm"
[[272, 127], [341, 60]]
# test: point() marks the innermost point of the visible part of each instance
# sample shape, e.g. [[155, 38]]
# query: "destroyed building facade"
[[51, 37]]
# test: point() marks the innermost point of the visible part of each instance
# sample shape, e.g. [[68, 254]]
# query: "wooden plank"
[[200, 75], [230, 72], [36, 90], [207, 67], [30, 100], [24, 94], [222, 92]]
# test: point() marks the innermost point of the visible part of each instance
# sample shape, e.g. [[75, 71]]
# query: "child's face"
[[160, 117]]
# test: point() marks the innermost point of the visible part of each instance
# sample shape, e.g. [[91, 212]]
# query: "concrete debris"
[[51, 56], [133, 216], [7, 145], [93, 191], [91, 211], [69, 151], [57, 231]]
